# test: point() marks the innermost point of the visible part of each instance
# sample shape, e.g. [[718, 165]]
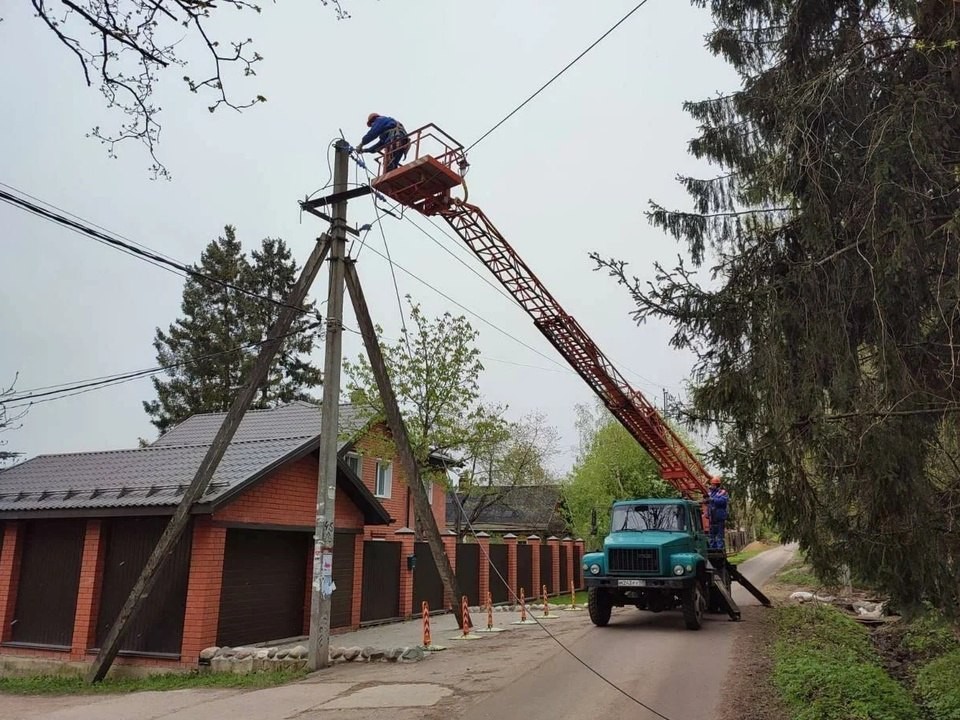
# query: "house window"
[[355, 463], [384, 479], [428, 486]]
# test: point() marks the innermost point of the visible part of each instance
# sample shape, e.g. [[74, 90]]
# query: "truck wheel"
[[694, 602], [600, 605]]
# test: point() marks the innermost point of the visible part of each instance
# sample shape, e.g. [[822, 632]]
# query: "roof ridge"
[[159, 448]]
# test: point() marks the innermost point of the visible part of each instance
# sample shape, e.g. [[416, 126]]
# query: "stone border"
[[242, 660]]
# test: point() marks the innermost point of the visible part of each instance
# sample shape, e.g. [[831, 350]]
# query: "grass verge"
[[938, 685], [73, 685], [826, 669], [750, 551]]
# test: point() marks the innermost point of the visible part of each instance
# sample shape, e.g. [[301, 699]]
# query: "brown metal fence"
[[341, 603], [525, 570], [427, 584], [468, 571], [546, 568], [381, 581], [497, 573]]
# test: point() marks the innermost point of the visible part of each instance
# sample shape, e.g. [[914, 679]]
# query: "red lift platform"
[[425, 181]]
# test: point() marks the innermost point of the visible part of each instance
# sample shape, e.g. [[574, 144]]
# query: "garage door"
[[264, 585]]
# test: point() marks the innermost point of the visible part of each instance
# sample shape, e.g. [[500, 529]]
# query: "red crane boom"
[[425, 184]]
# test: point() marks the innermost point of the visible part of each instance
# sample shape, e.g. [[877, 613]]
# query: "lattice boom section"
[[677, 464]]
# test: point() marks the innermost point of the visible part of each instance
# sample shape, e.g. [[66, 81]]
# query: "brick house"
[[76, 529]]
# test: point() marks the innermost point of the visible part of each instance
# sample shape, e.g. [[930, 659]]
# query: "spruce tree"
[[210, 349], [827, 339]]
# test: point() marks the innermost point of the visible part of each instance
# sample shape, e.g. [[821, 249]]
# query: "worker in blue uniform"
[[719, 499], [392, 136]]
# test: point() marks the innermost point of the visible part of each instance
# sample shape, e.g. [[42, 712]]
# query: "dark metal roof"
[[298, 419], [518, 507], [156, 476]]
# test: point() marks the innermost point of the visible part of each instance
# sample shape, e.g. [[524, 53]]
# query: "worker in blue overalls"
[[392, 135], [718, 501]]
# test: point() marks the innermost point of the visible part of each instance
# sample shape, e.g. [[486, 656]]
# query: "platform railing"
[[427, 140]]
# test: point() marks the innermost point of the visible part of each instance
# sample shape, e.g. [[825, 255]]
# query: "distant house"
[[76, 529], [522, 510]]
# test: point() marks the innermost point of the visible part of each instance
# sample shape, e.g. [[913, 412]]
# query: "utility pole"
[[148, 576], [321, 589]]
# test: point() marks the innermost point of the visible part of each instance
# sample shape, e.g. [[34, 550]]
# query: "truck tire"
[[694, 603], [600, 605]]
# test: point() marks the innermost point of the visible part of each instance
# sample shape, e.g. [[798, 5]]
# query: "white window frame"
[[388, 479], [359, 458], [428, 487]]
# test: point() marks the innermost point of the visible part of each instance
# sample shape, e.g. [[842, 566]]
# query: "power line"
[[50, 393], [128, 248], [465, 308], [551, 80]]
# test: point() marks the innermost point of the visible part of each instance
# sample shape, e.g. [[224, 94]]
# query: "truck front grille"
[[634, 560]]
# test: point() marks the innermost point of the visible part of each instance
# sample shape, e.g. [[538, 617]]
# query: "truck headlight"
[[595, 569], [678, 570]]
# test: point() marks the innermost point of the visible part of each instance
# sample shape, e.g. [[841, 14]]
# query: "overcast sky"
[[569, 174]]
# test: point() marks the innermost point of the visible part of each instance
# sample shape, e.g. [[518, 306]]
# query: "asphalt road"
[[653, 657]]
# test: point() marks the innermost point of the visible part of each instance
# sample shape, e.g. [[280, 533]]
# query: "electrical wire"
[[555, 77], [513, 595], [50, 393], [111, 240]]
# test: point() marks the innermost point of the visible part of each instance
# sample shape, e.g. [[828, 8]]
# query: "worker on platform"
[[718, 501], [392, 136]]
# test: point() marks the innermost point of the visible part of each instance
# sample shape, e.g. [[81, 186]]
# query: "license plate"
[[630, 583]]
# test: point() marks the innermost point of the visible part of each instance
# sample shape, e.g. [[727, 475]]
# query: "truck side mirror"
[[593, 522]]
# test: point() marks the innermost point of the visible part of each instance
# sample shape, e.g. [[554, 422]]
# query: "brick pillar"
[[483, 539], [554, 543], [203, 589], [571, 577], [578, 543], [534, 542], [407, 538], [450, 545], [510, 540], [9, 575], [88, 591], [357, 603]]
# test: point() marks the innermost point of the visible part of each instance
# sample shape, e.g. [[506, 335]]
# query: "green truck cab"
[[656, 558]]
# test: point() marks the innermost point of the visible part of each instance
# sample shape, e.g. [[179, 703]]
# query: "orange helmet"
[[370, 118], [715, 480]]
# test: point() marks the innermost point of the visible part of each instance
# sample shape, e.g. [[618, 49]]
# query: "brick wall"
[[373, 447], [288, 497]]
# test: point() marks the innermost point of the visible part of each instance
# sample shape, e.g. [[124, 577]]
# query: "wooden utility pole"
[[268, 350], [398, 429], [321, 589]]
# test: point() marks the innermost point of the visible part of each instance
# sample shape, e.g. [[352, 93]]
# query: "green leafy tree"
[[611, 465], [435, 369], [826, 340], [504, 456], [210, 349]]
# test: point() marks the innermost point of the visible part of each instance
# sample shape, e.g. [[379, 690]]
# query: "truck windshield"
[[649, 517]]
